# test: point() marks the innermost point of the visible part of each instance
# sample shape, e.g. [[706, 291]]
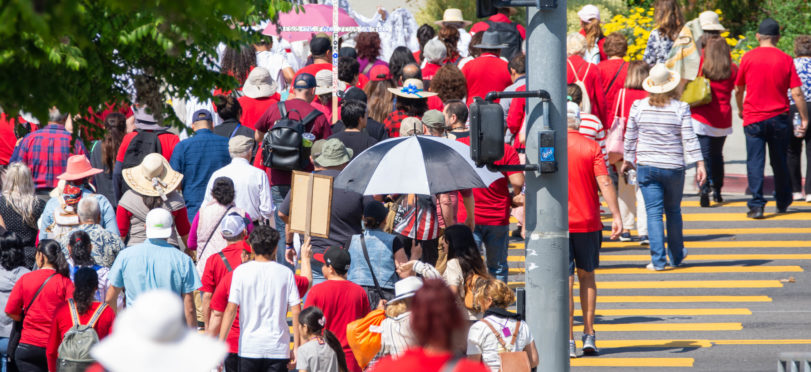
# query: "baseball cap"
[[159, 224], [232, 225], [304, 81], [769, 27], [411, 124], [335, 257], [320, 46], [379, 73], [434, 119], [348, 52], [202, 115], [375, 210], [354, 93], [589, 12]]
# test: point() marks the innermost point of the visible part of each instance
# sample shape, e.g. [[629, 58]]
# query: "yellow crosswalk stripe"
[[668, 312], [612, 344], [689, 270], [696, 257], [740, 231], [763, 342], [738, 216], [672, 299], [663, 327], [695, 203], [631, 362], [669, 284], [709, 244]]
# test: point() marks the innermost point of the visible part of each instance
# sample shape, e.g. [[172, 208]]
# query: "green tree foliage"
[[432, 10], [794, 17], [75, 54]]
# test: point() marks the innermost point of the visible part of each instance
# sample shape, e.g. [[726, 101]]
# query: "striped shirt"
[[661, 137], [592, 128]]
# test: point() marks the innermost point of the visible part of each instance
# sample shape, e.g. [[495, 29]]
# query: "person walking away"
[[590, 29], [453, 18], [373, 128], [436, 322], [713, 122], [499, 330], [252, 192], [509, 32], [669, 20], [12, 268], [323, 93], [613, 71], [155, 264], [765, 75], [320, 349], [230, 112], [259, 93], [380, 99], [435, 53], [303, 94], [411, 101], [321, 51], [264, 293], [354, 136], [78, 257], [274, 58], [46, 152], [449, 36], [518, 75], [589, 125], [395, 331], [83, 309], [34, 299], [152, 184], [196, 158], [103, 152], [660, 143], [455, 113], [20, 208], [341, 300], [368, 47], [586, 75], [802, 63], [105, 245], [234, 230], [464, 269], [588, 175], [487, 72]]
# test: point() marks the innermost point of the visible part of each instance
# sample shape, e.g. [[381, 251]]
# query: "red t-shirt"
[[219, 301], [215, 268], [362, 81], [168, 142], [342, 302], [631, 95], [430, 70], [515, 116], [608, 70], [37, 324], [718, 113], [767, 73], [62, 322], [586, 162], [483, 26], [312, 70], [8, 140], [485, 74], [417, 55], [253, 108], [492, 205], [296, 109], [417, 359], [592, 81], [435, 103]]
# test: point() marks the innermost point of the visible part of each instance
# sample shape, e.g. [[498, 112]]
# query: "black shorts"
[[584, 251]]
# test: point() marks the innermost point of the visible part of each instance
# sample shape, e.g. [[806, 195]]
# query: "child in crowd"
[[320, 351]]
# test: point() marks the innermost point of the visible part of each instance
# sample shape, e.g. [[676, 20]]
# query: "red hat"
[[78, 168], [379, 73]]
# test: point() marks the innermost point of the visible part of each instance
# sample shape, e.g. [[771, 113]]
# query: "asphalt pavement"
[[742, 297]]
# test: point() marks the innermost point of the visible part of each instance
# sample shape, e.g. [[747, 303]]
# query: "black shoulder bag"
[[217, 226], [615, 77], [371, 269], [17, 327]]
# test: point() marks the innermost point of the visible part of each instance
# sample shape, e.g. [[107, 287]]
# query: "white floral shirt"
[[658, 48], [803, 66]]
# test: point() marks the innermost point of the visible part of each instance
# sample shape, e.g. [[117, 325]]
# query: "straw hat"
[[412, 88], [259, 84], [78, 168], [153, 177], [453, 15], [710, 21], [661, 80]]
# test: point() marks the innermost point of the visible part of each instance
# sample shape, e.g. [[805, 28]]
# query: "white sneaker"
[[797, 196], [653, 268], [808, 198]]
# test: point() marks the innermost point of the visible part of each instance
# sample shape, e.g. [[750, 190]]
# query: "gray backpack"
[[74, 351]]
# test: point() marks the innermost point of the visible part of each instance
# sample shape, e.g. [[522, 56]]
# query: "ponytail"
[[335, 345], [86, 283], [593, 32], [80, 248], [313, 318], [53, 254]]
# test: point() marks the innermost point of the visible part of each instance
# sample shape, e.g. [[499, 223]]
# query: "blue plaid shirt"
[[46, 152], [197, 158]]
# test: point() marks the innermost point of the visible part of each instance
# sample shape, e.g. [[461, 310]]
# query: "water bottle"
[[630, 177], [798, 131]]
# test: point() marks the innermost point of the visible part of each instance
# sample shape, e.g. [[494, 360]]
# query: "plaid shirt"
[[393, 121], [46, 152]]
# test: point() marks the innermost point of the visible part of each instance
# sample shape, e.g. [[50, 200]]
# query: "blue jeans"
[[775, 132], [662, 190], [3, 353], [495, 240], [277, 193], [712, 149]]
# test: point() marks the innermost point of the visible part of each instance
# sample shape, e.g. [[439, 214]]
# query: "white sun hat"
[[661, 80]]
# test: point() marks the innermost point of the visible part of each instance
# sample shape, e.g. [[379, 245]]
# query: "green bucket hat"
[[334, 153]]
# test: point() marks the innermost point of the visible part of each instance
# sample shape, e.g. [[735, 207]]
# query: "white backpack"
[[585, 104]]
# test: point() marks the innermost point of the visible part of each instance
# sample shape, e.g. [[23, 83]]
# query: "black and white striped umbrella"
[[414, 165]]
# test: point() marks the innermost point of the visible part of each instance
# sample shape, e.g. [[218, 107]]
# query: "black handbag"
[[17, 329]]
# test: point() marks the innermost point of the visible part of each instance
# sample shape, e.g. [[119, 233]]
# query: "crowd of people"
[[187, 235]]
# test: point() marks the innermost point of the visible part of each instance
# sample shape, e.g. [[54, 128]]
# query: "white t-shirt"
[[274, 63], [264, 291], [482, 340], [315, 356], [453, 276]]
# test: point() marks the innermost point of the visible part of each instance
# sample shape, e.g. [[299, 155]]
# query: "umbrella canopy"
[[310, 15], [414, 165]]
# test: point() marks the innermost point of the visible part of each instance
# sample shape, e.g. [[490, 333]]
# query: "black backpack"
[[283, 145], [507, 34], [144, 143]]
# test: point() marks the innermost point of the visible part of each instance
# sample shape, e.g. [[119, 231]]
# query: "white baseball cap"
[[589, 12], [232, 225], [159, 224]]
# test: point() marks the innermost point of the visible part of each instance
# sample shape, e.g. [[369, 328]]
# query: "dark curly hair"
[[12, 255], [802, 46], [228, 107], [450, 37], [263, 240], [80, 248], [223, 190], [238, 62], [449, 83], [85, 285], [425, 33], [400, 57], [348, 69], [368, 46], [412, 106]]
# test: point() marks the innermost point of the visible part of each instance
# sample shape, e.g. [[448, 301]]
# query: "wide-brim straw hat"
[[661, 80], [453, 15], [78, 168], [412, 88], [259, 84], [153, 177]]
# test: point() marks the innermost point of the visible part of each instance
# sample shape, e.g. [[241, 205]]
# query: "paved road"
[[742, 297]]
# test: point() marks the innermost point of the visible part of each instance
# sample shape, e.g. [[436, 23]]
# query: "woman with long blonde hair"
[[669, 21], [591, 30], [380, 103], [20, 208]]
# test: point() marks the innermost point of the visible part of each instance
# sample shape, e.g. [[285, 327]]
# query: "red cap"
[[379, 73]]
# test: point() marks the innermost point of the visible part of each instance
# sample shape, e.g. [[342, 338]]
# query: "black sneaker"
[[625, 237], [716, 197], [643, 240], [755, 213], [704, 200]]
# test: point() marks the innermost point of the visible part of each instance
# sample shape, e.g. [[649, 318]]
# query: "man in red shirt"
[[503, 16], [578, 70], [488, 72], [298, 107], [587, 176], [492, 212], [341, 300], [766, 74], [321, 50]]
